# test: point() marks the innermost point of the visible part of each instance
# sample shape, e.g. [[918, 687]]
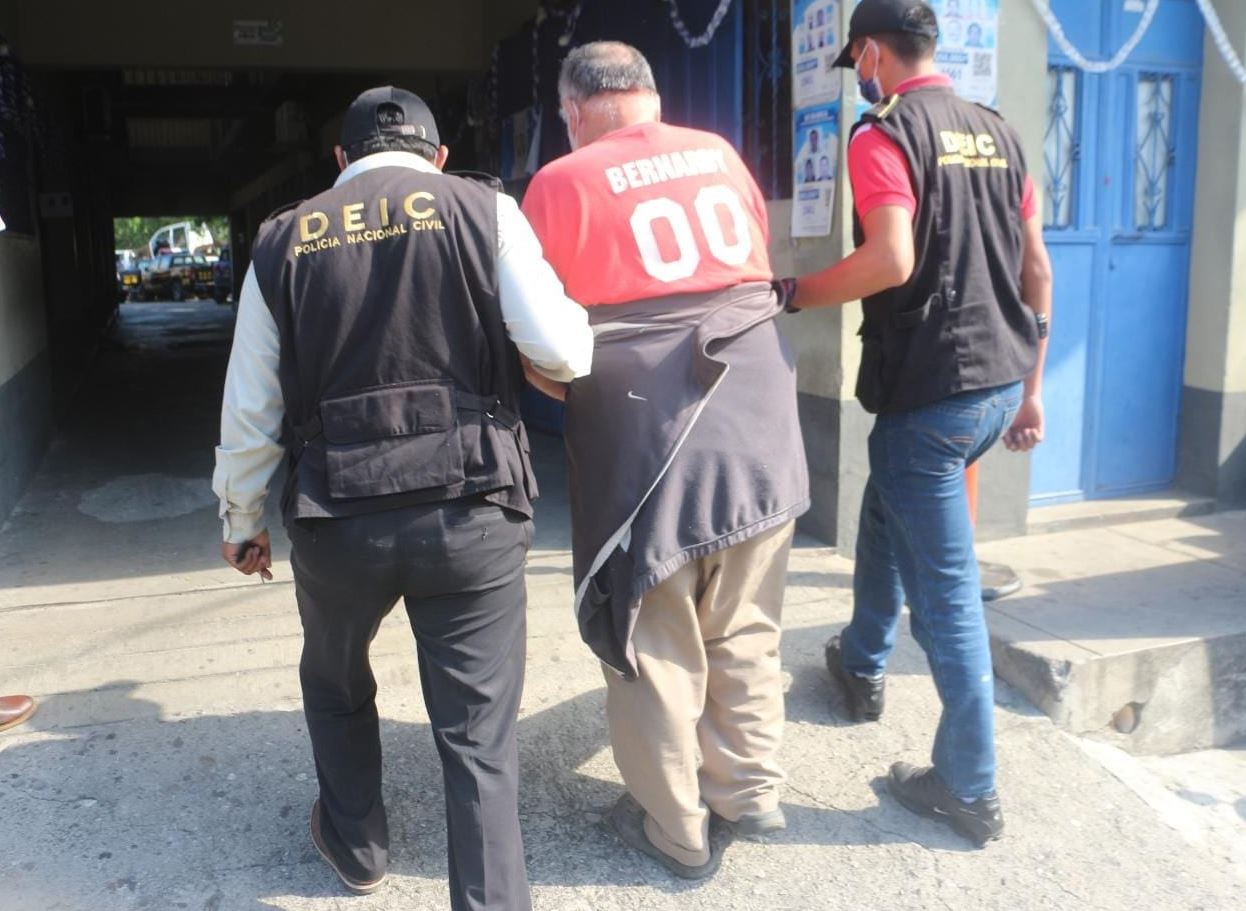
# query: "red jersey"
[[647, 211]]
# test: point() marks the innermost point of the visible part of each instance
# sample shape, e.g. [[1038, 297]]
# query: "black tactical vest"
[[399, 381], [958, 324]]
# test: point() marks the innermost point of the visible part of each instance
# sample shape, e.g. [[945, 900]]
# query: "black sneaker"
[[998, 581], [922, 791], [865, 694]]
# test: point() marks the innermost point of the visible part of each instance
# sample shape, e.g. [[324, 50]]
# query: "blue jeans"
[[916, 544]]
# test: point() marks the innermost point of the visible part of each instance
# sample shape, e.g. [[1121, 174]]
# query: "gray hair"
[[604, 66]]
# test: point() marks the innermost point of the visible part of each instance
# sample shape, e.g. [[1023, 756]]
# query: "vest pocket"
[[871, 377], [391, 440]]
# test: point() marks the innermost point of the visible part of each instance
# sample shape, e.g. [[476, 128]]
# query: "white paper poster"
[[968, 50], [816, 90], [816, 164], [815, 44]]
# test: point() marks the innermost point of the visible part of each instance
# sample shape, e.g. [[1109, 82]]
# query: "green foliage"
[[133, 233]]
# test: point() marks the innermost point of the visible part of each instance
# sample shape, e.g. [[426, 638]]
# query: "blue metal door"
[[1119, 165]]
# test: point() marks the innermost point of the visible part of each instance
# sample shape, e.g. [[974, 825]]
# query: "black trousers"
[[459, 567]]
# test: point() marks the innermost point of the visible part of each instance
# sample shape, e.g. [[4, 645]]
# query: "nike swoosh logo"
[[635, 397]]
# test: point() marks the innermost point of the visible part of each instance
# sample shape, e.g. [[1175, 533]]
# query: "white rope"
[[1043, 8], [1221, 40], [701, 40], [572, 19]]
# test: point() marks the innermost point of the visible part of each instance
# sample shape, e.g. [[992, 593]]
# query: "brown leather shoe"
[[14, 710]]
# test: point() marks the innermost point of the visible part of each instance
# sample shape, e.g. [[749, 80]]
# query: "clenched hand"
[[251, 557]]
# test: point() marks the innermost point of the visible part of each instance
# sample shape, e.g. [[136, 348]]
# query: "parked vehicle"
[[129, 278], [181, 237], [138, 289], [223, 276], [178, 275]]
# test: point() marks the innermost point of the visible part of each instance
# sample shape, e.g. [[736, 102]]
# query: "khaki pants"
[[700, 729]]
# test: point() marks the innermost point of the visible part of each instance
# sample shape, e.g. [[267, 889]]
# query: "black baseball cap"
[[876, 17], [387, 111]]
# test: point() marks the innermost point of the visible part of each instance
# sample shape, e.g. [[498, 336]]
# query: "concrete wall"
[[1213, 415], [1005, 491], [363, 35], [828, 350], [25, 386], [817, 338]]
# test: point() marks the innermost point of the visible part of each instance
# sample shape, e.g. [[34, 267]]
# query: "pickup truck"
[[179, 275]]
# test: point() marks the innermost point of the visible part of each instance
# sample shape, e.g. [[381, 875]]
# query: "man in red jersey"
[[686, 464]]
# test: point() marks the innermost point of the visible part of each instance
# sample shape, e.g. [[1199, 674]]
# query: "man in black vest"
[[956, 284], [376, 348]]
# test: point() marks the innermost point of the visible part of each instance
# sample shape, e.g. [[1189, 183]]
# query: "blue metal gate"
[[1119, 165]]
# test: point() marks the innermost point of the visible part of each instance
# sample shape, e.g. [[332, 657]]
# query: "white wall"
[[23, 325]]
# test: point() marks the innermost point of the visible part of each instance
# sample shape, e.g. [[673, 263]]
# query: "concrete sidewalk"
[[1133, 631], [168, 765]]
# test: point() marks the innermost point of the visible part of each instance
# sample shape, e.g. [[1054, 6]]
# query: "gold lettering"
[[986, 145], [306, 234], [384, 212], [950, 142], [408, 205], [352, 217]]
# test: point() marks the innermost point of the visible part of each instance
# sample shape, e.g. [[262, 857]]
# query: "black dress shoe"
[[628, 820], [922, 791], [753, 826], [357, 886], [866, 695]]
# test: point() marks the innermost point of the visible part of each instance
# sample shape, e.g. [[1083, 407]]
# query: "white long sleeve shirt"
[[549, 328]]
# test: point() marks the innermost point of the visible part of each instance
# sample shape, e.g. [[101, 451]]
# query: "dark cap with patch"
[[878, 17], [388, 112]]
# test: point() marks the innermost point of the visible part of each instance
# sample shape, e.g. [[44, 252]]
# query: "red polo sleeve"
[[879, 173], [1029, 204]]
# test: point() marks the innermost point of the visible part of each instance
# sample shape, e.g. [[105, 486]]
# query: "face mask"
[[871, 89]]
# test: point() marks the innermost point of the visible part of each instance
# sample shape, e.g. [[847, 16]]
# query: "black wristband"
[[786, 289]]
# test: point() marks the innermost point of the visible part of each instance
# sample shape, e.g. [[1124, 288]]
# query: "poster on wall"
[[816, 163], [816, 90], [968, 50], [815, 43]]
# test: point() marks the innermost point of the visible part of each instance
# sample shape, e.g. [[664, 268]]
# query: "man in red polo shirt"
[[880, 172], [686, 464], [956, 286]]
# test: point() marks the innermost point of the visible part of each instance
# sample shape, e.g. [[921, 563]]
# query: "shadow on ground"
[[211, 812]]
